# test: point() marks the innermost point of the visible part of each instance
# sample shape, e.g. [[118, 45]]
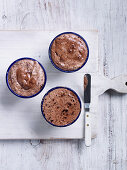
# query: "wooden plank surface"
[[109, 149], [22, 119]]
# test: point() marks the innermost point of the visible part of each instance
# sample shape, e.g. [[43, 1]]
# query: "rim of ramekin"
[[50, 56], [8, 82], [58, 88]]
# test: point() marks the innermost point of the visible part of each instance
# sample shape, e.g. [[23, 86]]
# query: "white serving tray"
[[22, 118]]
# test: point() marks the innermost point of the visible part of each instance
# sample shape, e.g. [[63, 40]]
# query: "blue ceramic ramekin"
[[52, 90], [8, 82], [50, 56]]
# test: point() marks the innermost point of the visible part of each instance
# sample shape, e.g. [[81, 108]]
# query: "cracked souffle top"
[[61, 106], [26, 77], [69, 52]]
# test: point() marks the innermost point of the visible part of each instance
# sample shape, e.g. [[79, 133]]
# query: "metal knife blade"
[[87, 91], [87, 100]]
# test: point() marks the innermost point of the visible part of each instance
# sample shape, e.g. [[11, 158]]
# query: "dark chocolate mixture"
[[61, 106], [26, 77], [69, 52]]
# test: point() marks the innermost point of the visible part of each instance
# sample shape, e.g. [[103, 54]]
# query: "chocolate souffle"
[[26, 77], [61, 106], [69, 52]]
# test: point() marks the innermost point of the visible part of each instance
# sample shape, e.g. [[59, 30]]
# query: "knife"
[[87, 100]]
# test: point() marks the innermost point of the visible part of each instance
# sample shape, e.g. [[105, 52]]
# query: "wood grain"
[[27, 122], [109, 149]]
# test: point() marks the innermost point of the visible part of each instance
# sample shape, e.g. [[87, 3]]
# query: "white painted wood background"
[[109, 149]]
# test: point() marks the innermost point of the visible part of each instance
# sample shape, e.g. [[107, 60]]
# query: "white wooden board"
[[22, 118]]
